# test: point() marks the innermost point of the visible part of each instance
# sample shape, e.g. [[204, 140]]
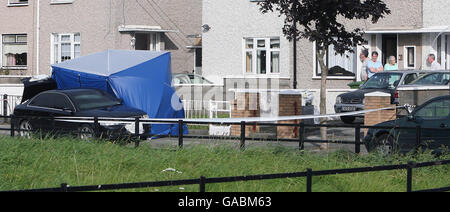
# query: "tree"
[[322, 22]]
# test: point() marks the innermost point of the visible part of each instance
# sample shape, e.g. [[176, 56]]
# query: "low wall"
[[378, 100], [420, 95]]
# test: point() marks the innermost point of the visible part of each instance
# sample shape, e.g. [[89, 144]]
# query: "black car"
[[37, 110], [434, 115], [386, 82]]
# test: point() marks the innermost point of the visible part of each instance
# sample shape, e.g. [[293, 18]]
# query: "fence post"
[[309, 180], [12, 126], [242, 145], [5, 107], [64, 187], [136, 132], [180, 133], [96, 130], [302, 136], [409, 176], [358, 139], [418, 136], [202, 184]]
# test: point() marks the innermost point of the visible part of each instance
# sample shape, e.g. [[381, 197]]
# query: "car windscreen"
[[433, 79], [92, 99], [383, 81]]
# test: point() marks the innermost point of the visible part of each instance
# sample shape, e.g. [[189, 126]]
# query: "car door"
[[44, 107], [435, 116]]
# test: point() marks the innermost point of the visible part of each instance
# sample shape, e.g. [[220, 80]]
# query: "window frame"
[[317, 76], [61, 1], [254, 52], [406, 65], [434, 118], [18, 67], [72, 42], [50, 108], [12, 4]]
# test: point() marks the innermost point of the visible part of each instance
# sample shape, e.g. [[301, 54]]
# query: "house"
[[243, 45], [36, 34]]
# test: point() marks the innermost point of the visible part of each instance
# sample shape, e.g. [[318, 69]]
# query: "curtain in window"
[[346, 61], [275, 63], [10, 59], [15, 54]]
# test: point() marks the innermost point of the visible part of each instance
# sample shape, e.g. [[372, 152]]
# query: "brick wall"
[[378, 100], [290, 105], [246, 105]]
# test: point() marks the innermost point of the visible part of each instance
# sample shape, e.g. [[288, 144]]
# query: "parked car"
[[436, 78], [40, 105], [382, 82], [434, 114], [190, 79]]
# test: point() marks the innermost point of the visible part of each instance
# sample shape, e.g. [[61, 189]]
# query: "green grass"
[[30, 164]]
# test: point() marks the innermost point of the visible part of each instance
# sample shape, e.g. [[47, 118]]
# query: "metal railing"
[[203, 181], [300, 128], [9, 103]]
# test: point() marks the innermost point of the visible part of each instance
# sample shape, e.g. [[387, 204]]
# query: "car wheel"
[[25, 129], [348, 119], [86, 132], [384, 144]]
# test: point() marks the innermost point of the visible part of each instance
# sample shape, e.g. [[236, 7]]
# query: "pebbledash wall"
[[98, 22], [232, 21]]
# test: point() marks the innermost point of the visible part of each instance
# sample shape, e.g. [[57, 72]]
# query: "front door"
[[389, 47], [147, 41]]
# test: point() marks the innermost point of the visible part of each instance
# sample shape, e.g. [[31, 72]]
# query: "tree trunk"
[[323, 93]]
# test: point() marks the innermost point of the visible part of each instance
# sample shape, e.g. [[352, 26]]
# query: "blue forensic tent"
[[142, 79]]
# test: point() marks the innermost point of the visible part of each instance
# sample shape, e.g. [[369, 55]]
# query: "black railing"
[[203, 181], [301, 127]]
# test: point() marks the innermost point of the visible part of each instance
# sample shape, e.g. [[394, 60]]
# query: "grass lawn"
[[28, 164]]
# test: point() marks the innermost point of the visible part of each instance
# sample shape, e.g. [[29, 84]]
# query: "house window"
[[14, 50], [65, 47], [262, 55], [410, 62], [338, 65], [17, 2], [61, 1]]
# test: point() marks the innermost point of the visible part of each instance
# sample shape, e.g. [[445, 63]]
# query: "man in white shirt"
[[364, 57], [434, 65]]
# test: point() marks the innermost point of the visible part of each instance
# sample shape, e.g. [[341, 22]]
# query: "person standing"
[[374, 66], [392, 65], [434, 65], [364, 57]]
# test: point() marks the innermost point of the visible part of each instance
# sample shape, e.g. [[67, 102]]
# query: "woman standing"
[[392, 65]]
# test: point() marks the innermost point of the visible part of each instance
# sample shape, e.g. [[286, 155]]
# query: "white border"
[[315, 77], [406, 57], [254, 51]]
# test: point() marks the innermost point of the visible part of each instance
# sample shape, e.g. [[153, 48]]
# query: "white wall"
[[11, 89], [230, 22]]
